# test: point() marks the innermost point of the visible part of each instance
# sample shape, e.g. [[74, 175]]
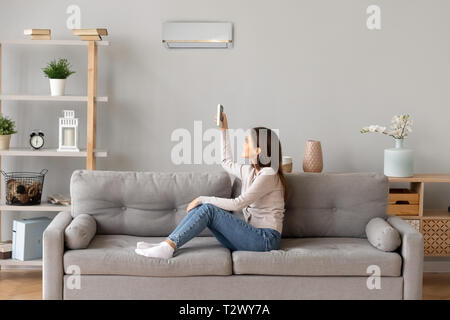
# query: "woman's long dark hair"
[[270, 155]]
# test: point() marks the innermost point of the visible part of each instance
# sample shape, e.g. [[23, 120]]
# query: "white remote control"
[[219, 114]]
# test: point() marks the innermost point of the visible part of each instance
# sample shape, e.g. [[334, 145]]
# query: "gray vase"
[[398, 161]]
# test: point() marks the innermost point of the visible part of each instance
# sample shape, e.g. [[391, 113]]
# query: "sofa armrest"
[[412, 256], [53, 250]]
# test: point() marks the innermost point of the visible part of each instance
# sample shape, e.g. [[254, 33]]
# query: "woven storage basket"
[[436, 234], [24, 188]]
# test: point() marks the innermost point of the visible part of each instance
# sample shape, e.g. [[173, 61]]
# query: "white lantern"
[[68, 132]]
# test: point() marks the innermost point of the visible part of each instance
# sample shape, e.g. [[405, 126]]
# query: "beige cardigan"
[[261, 199]]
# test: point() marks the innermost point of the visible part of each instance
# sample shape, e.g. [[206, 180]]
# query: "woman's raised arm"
[[227, 156]]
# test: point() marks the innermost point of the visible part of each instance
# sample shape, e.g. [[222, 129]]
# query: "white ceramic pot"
[[5, 139], [398, 161], [57, 87]]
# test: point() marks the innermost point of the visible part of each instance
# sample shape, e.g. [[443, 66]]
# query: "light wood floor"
[[20, 284], [27, 285]]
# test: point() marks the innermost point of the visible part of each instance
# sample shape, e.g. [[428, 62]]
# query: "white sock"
[[145, 245], [163, 250]]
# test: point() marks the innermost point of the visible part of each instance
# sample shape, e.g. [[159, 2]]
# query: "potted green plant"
[[7, 128], [58, 72]]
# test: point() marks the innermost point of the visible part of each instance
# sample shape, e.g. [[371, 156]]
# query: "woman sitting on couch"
[[261, 200]]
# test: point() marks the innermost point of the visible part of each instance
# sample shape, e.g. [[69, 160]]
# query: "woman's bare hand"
[[194, 203], [224, 122]]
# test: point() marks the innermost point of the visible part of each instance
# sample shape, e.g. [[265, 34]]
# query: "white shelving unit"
[[55, 42], [90, 153], [27, 152], [44, 206], [69, 98]]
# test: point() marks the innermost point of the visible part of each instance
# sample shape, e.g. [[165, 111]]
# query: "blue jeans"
[[232, 232]]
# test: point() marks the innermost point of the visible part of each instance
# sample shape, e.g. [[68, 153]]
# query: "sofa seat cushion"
[[115, 255], [318, 257]]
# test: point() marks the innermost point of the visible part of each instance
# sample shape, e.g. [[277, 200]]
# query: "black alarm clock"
[[36, 139]]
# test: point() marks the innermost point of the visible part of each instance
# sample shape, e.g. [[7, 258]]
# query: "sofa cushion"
[[80, 232], [333, 204], [146, 204], [115, 255], [318, 257], [382, 235]]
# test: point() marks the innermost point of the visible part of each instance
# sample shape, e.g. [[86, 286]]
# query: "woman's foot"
[[162, 250], [145, 245]]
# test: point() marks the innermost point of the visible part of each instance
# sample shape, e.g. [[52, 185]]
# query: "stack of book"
[[38, 34], [90, 34], [5, 250]]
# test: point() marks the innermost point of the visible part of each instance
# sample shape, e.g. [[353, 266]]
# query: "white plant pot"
[[57, 87], [4, 141]]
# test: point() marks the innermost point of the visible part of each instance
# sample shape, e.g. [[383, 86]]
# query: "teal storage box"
[[27, 238]]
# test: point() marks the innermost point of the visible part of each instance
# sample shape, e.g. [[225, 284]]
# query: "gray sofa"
[[324, 252]]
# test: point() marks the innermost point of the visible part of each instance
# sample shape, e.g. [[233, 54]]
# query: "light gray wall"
[[308, 67]]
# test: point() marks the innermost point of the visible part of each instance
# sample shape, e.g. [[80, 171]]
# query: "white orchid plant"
[[400, 127]]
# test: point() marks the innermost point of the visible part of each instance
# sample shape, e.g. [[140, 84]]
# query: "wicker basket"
[[24, 188], [436, 234]]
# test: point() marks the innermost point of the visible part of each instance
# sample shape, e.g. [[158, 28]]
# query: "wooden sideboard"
[[408, 203]]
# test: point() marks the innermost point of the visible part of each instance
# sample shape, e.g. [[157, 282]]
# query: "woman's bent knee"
[[209, 206], [200, 208], [203, 209]]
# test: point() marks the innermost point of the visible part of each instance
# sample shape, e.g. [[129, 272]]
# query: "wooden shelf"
[[13, 262], [423, 177], [44, 206], [28, 152], [436, 213], [428, 214], [54, 42], [68, 98], [434, 224]]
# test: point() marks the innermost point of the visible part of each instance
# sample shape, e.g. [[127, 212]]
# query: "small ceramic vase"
[[312, 158]]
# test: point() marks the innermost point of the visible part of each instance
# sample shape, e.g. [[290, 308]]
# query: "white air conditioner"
[[197, 34]]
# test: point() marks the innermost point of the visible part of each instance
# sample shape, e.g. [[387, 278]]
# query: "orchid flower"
[[401, 126]]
